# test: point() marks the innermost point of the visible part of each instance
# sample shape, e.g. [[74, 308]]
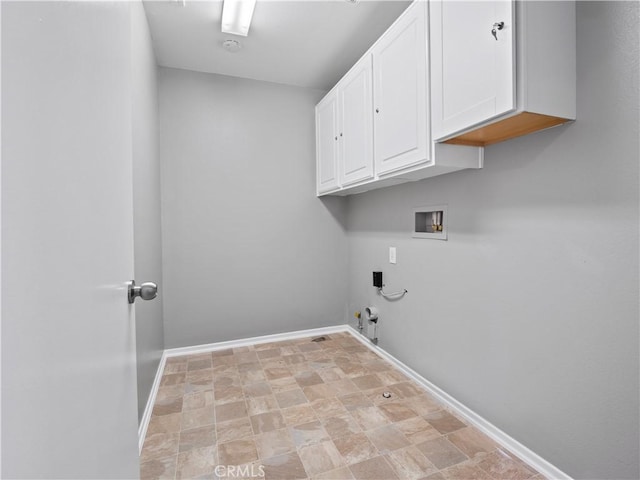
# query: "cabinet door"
[[472, 70], [327, 144], [400, 85], [356, 124]]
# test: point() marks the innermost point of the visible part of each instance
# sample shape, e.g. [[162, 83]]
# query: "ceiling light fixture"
[[236, 16]]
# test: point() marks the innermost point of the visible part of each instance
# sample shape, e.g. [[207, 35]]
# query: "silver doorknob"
[[146, 291]]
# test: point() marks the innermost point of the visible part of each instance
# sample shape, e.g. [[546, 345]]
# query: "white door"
[[327, 143], [68, 342], [472, 69], [400, 86], [356, 124]]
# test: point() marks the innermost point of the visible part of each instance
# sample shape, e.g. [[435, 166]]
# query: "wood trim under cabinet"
[[515, 126]]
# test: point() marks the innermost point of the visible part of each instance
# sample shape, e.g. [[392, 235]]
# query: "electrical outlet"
[[392, 255]]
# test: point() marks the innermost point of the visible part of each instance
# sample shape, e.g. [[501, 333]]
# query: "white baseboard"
[[501, 438], [276, 337], [146, 416], [472, 418]]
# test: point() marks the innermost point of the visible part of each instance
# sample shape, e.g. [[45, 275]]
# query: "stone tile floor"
[[299, 409]]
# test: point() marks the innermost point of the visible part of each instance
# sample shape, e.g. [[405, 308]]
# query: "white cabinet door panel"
[[356, 124], [473, 73], [327, 144], [400, 93]]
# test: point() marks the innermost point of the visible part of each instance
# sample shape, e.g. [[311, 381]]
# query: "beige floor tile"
[[368, 382], [224, 368], [308, 347], [264, 404], [444, 422], [331, 374], [397, 411], [172, 379], [344, 386], [276, 372], [320, 458], [376, 468], [471, 442], [290, 398], [388, 438], [355, 400], [234, 430], [273, 443], [196, 463], [318, 392], [197, 438], [500, 464], [159, 445], [441, 452], [237, 452], [406, 389], [284, 467], [298, 414], [165, 424], [167, 406], [369, 418], [341, 425], [160, 469], [422, 404], [417, 430], [328, 407], [199, 380], [466, 471], [294, 359], [265, 422], [174, 368], [257, 389], [200, 364], [391, 377], [272, 352], [226, 380], [308, 434], [308, 379], [228, 394], [338, 474], [198, 417], [231, 411], [170, 391], [353, 370], [283, 384], [246, 357], [410, 464], [355, 448], [438, 476], [222, 353], [192, 401]]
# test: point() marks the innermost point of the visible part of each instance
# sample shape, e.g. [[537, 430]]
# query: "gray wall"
[[528, 314], [247, 247], [146, 206]]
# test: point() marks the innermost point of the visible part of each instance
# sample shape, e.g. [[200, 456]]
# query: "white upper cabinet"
[[500, 69], [355, 114], [372, 128], [327, 143], [401, 130], [472, 54]]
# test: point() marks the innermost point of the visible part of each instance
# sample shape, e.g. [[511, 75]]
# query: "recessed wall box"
[[377, 279], [430, 222]]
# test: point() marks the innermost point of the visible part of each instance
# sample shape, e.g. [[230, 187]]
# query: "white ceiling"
[[301, 42]]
